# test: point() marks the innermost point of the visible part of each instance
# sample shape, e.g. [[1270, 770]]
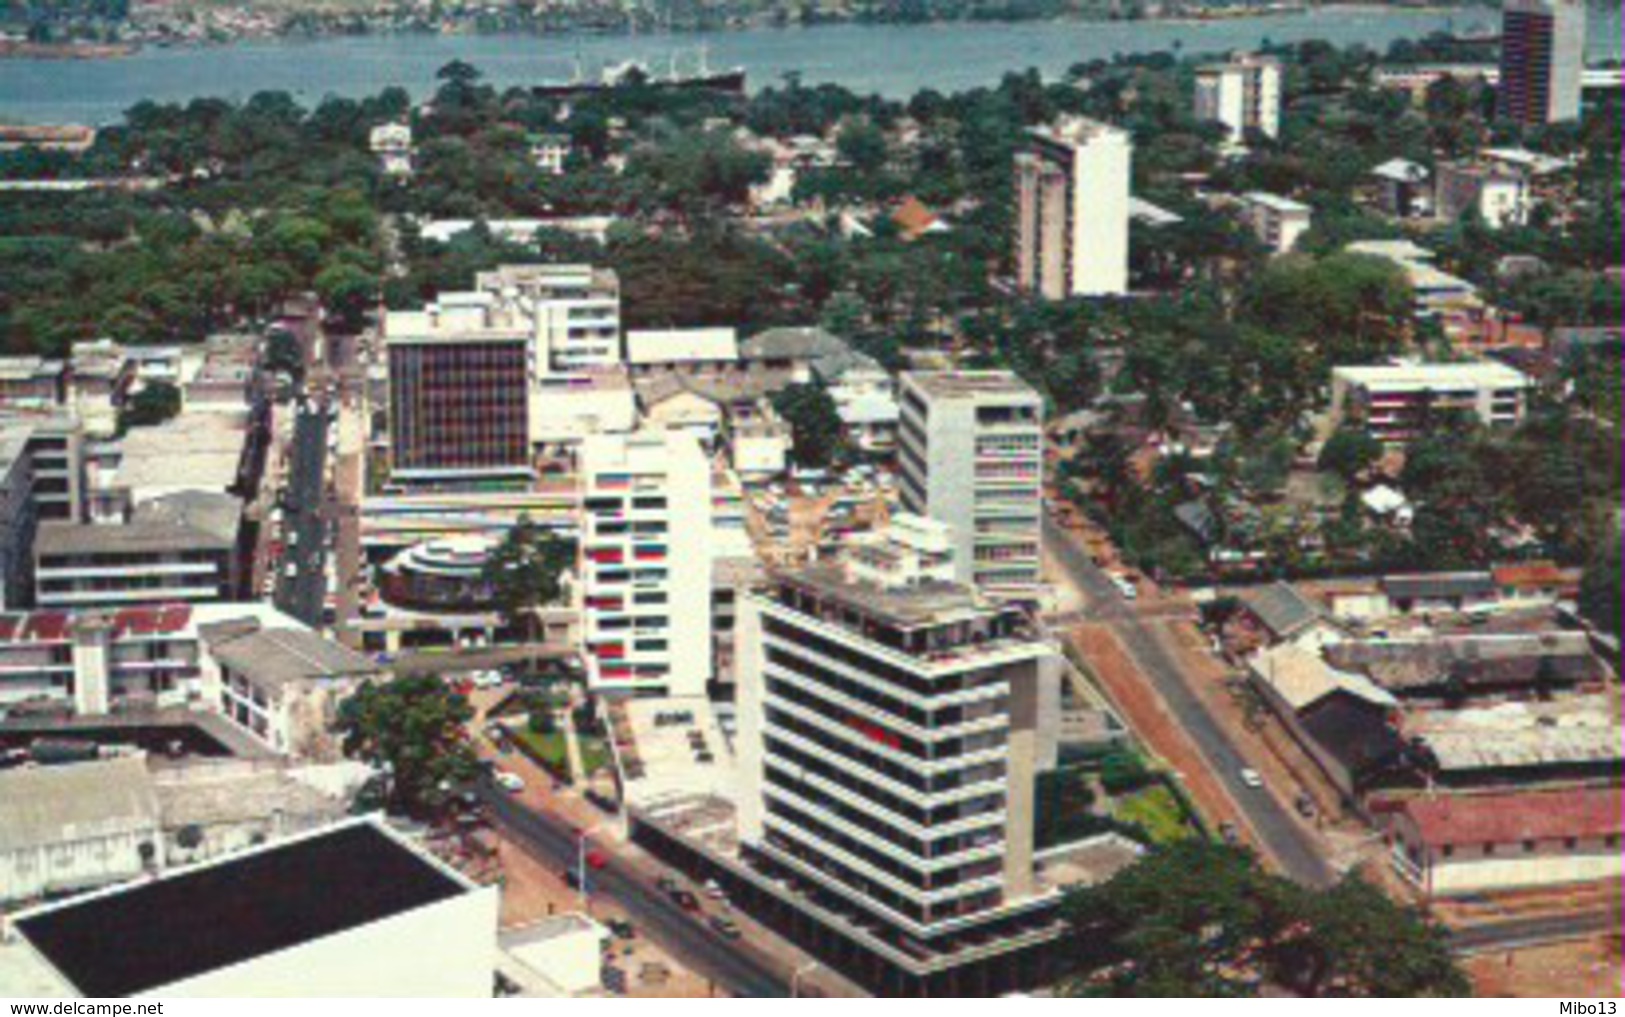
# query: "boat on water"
[[636, 74]]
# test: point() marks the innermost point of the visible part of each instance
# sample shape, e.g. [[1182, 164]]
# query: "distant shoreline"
[[72, 51]]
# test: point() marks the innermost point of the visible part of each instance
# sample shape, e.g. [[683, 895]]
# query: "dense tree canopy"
[[1198, 919]]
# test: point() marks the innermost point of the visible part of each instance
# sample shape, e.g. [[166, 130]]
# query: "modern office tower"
[[1542, 60], [646, 547], [460, 380], [1243, 95], [576, 310], [889, 737], [1072, 210], [971, 455]]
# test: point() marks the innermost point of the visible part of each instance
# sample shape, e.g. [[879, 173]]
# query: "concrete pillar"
[[92, 667], [1024, 747]]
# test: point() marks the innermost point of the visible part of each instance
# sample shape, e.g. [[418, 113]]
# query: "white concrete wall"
[[445, 950], [1505, 872], [1100, 194], [79, 865]]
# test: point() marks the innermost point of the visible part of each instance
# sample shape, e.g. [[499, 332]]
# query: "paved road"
[[1515, 933], [1294, 848], [303, 594], [697, 948]]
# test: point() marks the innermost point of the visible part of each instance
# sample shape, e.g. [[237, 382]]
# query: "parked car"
[[727, 928], [596, 859], [1251, 778], [508, 781], [687, 901], [714, 890]]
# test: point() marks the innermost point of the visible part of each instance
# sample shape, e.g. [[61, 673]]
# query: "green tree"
[[815, 424], [1195, 918], [348, 292], [157, 402], [1349, 452], [526, 573], [1601, 590], [414, 729]]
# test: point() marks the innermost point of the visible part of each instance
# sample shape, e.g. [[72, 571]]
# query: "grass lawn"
[[594, 753], [1157, 811], [547, 749]]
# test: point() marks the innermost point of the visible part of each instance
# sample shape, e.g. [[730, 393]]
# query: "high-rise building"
[[460, 380], [889, 738], [1542, 60], [1243, 95], [646, 549], [971, 455], [1072, 210]]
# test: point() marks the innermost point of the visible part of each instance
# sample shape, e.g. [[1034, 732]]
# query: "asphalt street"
[[302, 594], [1294, 848], [733, 970]]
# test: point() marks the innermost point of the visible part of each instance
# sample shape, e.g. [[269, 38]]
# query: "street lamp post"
[[800, 973]]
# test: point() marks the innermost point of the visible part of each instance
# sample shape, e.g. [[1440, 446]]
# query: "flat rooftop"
[[971, 384], [671, 748], [1389, 376], [910, 606], [142, 937]]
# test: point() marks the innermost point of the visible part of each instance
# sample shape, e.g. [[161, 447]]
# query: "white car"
[[1251, 778], [508, 782]]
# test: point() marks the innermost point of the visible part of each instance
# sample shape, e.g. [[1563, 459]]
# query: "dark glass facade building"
[[459, 407]]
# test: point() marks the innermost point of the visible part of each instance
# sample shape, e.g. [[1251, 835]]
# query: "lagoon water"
[[893, 60]]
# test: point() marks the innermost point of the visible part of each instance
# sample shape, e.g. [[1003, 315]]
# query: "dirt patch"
[[1588, 967]]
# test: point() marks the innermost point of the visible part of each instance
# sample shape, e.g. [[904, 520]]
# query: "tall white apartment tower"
[[646, 548], [1072, 210], [889, 738], [971, 455], [1243, 95]]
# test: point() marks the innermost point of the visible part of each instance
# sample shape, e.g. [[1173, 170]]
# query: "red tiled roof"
[[1535, 573], [913, 218], [1511, 818]]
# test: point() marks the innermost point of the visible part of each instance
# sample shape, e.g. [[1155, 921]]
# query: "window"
[[1528, 847], [1489, 848], [1448, 851]]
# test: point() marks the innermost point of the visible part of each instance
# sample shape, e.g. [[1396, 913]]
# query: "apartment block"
[[889, 738], [1072, 210], [1395, 402], [575, 310], [646, 550], [971, 455], [1277, 222], [1243, 95], [1542, 60]]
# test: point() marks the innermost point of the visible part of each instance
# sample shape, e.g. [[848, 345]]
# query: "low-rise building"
[[1494, 195], [32, 382], [351, 910], [180, 548], [69, 828], [1402, 188], [283, 685], [1277, 222], [1435, 291], [1460, 844], [1396, 402]]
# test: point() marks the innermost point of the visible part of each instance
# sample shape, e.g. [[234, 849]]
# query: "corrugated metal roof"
[[44, 805]]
